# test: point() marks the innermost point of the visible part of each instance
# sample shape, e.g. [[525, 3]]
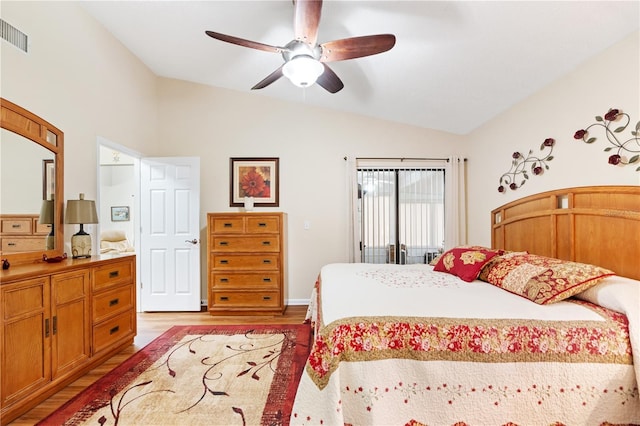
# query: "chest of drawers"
[[246, 263], [58, 321], [20, 233]]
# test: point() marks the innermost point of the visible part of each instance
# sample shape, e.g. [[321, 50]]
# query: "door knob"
[[194, 241]]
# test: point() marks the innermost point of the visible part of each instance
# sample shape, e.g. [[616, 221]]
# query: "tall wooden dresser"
[[246, 263]]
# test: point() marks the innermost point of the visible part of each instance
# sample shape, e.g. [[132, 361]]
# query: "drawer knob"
[[114, 274], [228, 225], [266, 243], [114, 329], [224, 262], [11, 244], [262, 225], [266, 297], [16, 225], [224, 280], [266, 261], [224, 243], [225, 298], [114, 302], [266, 280]]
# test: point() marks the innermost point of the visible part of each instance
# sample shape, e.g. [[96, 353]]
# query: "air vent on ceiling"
[[13, 35]]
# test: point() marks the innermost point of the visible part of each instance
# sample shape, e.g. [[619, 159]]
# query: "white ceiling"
[[455, 65]]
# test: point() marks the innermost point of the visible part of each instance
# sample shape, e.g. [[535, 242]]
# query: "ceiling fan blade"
[[269, 79], [306, 20], [244, 43], [356, 47], [329, 80]]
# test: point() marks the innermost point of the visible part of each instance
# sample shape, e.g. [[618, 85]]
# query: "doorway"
[[153, 204], [118, 198]]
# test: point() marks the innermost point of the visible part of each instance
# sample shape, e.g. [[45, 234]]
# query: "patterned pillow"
[[484, 272], [543, 280], [465, 262]]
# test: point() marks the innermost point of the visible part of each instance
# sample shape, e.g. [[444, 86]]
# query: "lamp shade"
[[46, 212], [81, 211], [303, 70]]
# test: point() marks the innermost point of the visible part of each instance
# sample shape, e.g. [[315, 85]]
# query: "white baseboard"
[[293, 302]]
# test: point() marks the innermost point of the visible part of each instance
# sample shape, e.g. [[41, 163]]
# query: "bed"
[[542, 328]]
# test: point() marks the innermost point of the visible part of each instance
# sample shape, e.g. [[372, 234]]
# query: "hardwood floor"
[[150, 326]]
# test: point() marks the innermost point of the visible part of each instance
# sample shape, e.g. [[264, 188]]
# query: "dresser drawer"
[[263, 225], [262, 299], [238, 244], [226, 225], [111, 302], [16, 226], [20, 244], [245, 262], [112, 275], [113, 330], [266, 281], [41, 228]]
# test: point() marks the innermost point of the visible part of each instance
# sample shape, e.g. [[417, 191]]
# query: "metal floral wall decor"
[[521, 165], [622, 148]]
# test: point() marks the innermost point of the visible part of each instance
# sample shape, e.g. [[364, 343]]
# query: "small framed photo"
[[254, 177], [120, 214]]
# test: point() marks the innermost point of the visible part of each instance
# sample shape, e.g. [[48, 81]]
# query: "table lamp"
[[81, 211], [46, 218]]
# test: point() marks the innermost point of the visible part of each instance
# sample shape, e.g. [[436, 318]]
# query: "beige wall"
[[82, 80], [216, 124], [608, 80]]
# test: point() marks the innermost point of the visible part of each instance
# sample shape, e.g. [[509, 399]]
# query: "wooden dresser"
[[246, 263], [22, 232], [59, 321]]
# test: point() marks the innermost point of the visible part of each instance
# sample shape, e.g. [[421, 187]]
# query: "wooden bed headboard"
[[599, 225]]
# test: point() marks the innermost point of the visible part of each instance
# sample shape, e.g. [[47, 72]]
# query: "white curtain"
[[455, 231], [353, 241]]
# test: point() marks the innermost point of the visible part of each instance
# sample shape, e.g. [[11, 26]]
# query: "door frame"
[[103, 142]]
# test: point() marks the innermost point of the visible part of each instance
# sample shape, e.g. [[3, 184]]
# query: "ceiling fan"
[[305, 59]]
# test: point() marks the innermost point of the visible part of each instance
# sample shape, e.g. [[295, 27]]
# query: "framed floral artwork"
[[256, 178]]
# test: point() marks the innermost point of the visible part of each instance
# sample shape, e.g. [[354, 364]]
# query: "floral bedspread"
[[406, 345]]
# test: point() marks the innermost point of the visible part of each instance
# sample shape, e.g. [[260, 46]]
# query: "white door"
[[170, 229]]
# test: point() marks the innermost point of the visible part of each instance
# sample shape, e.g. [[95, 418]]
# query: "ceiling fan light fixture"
[[303, 70]]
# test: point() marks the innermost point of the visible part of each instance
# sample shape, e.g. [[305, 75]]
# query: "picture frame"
[[120, 214], [256, 177], [48, 179]]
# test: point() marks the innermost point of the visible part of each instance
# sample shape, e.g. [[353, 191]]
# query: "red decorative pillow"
[[465, 262]]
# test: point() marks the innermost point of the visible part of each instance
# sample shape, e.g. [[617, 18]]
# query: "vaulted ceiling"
[[455, 65]]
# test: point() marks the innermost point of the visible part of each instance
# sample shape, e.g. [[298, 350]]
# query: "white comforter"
[[469, 365]]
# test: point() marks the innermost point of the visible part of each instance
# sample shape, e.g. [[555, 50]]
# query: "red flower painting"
[[256, 178], [253, 183]]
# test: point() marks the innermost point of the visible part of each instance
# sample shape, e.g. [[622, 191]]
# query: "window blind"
[[402, 213]]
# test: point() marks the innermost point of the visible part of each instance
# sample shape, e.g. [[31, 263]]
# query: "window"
[[401, 213]]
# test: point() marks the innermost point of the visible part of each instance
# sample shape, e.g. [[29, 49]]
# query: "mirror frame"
[[23, 122]]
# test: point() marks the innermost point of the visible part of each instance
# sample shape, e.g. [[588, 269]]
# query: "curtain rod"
[[402, 158]]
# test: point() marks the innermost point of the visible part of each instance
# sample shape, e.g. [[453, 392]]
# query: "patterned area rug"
[[199, 375]]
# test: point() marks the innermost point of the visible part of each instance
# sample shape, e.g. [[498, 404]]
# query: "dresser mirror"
[[31, 186]]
